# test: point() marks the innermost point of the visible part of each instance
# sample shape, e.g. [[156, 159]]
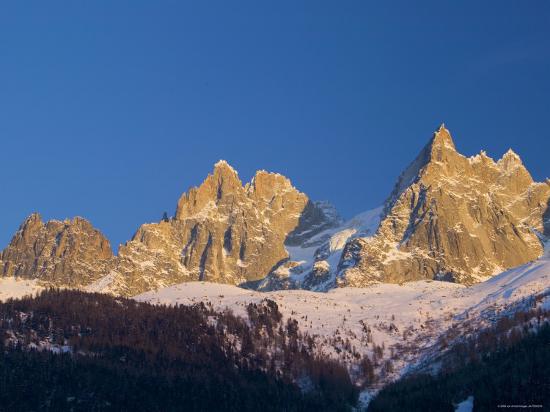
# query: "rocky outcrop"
[[450, 217], [61, 253], [222, 232]]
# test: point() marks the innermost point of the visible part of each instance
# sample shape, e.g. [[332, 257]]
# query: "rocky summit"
[[59, 253], [453, 218], [222, 231]]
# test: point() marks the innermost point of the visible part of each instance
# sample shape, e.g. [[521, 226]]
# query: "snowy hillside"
[[396, 326], [11, 287]]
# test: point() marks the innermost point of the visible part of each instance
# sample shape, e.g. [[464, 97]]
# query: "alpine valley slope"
[[398, 327]]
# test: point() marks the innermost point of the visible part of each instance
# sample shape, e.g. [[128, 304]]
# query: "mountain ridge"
[[448, 217]]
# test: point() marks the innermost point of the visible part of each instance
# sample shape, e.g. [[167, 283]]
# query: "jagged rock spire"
[[510, 160], [442, 137], [224, 165], [454, 218], [440, 148], [223, 232]]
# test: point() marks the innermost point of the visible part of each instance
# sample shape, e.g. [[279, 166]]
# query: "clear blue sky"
[[111, 109]]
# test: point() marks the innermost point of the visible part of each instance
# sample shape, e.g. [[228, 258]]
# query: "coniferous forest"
[[513, 371], [67, 350], [71, 350]]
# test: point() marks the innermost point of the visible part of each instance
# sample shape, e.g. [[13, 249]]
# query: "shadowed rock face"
[[316, 218], [69, 253], [451, 217], [222, 232]]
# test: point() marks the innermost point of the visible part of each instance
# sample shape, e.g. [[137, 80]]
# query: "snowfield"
[[331, 242], [16, 288]]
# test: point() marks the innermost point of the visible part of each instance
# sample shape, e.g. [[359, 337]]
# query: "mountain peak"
[[510, 160], [274, 181], [439, 149], [222, 232], [430, 229], [32, 222], [510, 154], [442, 138], [224, 165], [34, 216]]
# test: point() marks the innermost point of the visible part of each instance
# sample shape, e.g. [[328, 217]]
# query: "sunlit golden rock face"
[[222, 231], [454, 218], [61, 253]]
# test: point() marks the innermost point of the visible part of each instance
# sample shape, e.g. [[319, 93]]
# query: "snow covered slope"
[[396, 326], [313, 264], [12, 287]]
